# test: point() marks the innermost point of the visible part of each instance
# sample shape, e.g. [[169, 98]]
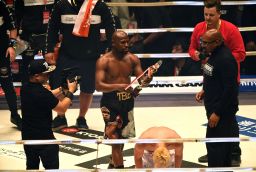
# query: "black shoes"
[[235, 162], [59, 122], [81, 123], [16, 120], [203, 159]]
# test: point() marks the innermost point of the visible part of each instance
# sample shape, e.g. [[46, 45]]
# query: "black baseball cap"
[[40, 66]]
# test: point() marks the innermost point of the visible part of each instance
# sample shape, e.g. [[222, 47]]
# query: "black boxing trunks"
[[117, 110]]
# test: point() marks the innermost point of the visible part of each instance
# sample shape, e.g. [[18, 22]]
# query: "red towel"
[[82, 23]]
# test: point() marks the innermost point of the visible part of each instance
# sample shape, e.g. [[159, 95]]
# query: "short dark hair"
[[213, 3]]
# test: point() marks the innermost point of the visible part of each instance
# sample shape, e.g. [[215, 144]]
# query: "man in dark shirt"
[[77, 51], [32, 21], [220, 93], [7, 56], [37, 103], [157, 42]]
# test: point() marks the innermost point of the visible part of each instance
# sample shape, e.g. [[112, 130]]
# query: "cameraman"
[[37, 103]]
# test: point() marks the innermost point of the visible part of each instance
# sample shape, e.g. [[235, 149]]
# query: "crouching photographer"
[[37, 103]]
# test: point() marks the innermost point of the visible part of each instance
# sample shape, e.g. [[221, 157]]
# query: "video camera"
[[71, 74]]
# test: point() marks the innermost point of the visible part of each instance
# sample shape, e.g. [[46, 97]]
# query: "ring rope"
[[179, 80], [173, 3], [123, 141], [173, 29], [161, 55], [178, 55], [221, 169]]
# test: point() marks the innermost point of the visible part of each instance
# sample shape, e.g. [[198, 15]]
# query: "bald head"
[[120, 42], [117, 35], [213, 35]]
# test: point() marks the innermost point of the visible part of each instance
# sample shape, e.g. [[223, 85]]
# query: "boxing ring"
[[188, 120]]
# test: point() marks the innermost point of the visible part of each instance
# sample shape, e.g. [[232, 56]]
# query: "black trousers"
[[7, 82], [220, 154], [235, 146], [49, 155]]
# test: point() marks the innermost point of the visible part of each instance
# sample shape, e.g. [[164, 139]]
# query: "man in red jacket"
[[232, 39]]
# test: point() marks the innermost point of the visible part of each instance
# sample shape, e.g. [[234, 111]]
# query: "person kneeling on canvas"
[[158, 155]]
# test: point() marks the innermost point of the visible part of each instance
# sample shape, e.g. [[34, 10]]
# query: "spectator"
[[232, 39], [32, 20], [231, 34], [220, 94], [249, 16], [158, 42], [77, 51], [122, 12], [7, 56]]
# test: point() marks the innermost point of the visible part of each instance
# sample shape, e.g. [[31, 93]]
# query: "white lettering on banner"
[[37, 2], [247, 127], [69, 148], [1, 21], [12, 153], [175, 85], [96, 136], [70, 19], [208, 69], [95, 19], [246, 83], [246, 123]]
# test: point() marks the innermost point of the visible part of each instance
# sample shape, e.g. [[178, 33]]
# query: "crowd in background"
[[182, 16], [168, 42], [51, 23]]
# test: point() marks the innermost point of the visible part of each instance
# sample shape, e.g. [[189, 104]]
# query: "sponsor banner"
[[12, 152], [81, 134], [247, 126], [188, 85], [181, 85], [248, 83]]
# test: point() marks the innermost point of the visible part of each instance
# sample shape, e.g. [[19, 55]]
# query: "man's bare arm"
[[138, 153]]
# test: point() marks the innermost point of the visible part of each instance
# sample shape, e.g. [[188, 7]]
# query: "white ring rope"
[[179, 55], [221, 169], [123, 141], [162, 55], [172, 3], [181, 80], [173, 29], [235, 169]]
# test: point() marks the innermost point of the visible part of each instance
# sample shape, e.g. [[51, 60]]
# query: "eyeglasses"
[[206, 43]]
